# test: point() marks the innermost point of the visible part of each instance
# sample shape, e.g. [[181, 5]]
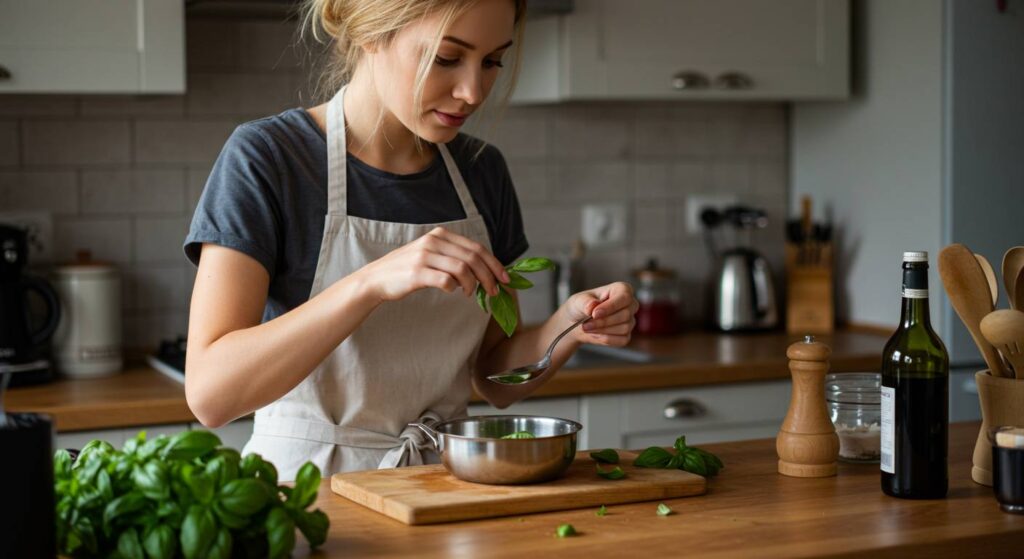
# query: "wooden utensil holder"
[[810, 300], [1002, 403]]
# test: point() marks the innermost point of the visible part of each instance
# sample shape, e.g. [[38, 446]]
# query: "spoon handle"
[[551, 347]]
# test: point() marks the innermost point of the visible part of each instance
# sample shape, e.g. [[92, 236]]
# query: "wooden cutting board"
[[430, 495]]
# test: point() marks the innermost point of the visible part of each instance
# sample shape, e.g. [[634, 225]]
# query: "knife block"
[[810, 303], [807, 444]]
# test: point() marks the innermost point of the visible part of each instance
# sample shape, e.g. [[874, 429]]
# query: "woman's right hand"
[[440, 259]]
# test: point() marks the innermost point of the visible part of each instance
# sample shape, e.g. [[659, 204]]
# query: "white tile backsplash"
[[122, 173]]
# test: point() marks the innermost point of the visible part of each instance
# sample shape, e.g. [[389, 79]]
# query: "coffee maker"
[[23, 334]]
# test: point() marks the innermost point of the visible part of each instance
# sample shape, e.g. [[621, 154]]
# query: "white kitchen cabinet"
[[116, 437], [719, 413], [688, 49], [92, 46]]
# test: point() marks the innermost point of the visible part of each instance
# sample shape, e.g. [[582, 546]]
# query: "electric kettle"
[[20, 342], [743, 290]]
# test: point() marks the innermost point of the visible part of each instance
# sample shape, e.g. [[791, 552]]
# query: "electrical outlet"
[[40, 233], [697, 203], [604, 225]]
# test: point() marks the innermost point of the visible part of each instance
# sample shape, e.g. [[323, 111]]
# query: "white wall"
[[875, 162]]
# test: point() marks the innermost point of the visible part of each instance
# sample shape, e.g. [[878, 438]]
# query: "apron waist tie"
[[404, 450]]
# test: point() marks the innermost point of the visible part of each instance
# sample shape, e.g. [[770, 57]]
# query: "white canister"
[[87, 342]]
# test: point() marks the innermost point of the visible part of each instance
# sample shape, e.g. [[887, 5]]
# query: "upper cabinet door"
[[689, 49], [92, 46]]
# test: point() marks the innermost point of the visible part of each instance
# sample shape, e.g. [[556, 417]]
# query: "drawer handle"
[[685, 409], [734, 80], [5, 74], [689, 79]]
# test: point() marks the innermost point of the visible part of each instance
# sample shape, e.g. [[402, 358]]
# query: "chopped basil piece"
[[664, 510], [566, 530]]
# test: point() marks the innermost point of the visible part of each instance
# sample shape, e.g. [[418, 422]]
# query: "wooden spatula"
[[969, 294], [1013, 267], [990, 275], [1004, 329]]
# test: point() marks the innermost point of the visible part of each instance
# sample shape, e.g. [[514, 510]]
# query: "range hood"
[[284, 9]]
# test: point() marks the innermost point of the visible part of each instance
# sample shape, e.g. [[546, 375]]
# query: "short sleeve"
[[508, 236], [238, 208]]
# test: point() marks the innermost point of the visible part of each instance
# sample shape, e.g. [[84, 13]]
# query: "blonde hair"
[[352, 24]]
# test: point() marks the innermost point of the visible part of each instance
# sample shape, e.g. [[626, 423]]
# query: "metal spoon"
[[526, 373]]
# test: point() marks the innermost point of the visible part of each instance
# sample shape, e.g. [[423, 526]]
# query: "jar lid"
[[853, 388], [651, 271], [85, 265]]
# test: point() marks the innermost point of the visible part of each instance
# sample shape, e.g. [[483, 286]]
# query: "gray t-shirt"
[[267, 197]]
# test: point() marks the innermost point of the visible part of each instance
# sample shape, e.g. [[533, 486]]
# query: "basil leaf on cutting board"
[[615, 473], [606, 456]]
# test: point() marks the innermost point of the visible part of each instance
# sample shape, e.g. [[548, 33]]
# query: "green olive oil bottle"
[[915, 396]]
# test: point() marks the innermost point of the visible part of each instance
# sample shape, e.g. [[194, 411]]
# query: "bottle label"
[[910, 293], [888, 435]]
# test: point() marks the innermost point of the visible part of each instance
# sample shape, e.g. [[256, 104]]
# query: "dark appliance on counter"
[[24, 336], [743, 291]]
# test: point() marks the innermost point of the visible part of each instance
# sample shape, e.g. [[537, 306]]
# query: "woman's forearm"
[[524, 347], [246, 369]]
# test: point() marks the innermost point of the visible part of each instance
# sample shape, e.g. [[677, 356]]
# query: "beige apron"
[[410, 360]]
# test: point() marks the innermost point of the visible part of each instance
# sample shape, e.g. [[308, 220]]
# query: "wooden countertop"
[[749, 511], [142, 396]]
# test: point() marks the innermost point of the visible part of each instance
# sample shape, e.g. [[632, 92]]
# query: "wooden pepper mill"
[[807, 443]]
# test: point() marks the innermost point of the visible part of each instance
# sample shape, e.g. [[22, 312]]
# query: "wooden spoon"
[[1013, 267], [968, 292], [990, 275], [1005, 330]]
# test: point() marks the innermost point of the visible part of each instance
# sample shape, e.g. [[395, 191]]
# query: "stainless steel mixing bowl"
[[471, 448]]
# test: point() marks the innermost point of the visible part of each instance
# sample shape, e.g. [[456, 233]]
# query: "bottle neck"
[[915, 296]]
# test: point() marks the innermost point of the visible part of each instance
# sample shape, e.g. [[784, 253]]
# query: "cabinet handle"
[[5, 74], [685, 409], [689, 79], [734, 80]]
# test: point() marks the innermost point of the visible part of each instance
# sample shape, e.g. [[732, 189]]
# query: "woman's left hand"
[[611, 308]]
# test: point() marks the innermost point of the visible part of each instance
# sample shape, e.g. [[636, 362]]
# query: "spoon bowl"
[[527, 373], [1005, 330], [1013, 268]]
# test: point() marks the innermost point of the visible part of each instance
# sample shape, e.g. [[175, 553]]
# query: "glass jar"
[[658, 294], [854, 406]]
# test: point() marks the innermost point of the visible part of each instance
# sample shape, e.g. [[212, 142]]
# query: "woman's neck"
[[386, 145]]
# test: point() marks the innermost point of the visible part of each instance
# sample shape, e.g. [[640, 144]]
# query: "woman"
[[340, 331]]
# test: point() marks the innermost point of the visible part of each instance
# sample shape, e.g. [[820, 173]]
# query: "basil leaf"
[[565, 531], [615, 473], [693, 462], [129, 546], [198, 531], [201, 485], [61, 464], [243, 497], [606, 456], [535, 264], [133, 444], [221, 548], [313, 526], [676, 462], [233, 521], [520, 435], [190, 444], [280, 533], [152, 446], [517, 281], [160, 542], [603, 511], [680, 444], [481, 297], [711, 459], [307, 484], [664, 510], [125, 504], [221, 470], [151, 479], [503, 309], [653, 457]]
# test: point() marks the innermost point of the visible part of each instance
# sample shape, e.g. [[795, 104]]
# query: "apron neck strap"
[[337, 162]]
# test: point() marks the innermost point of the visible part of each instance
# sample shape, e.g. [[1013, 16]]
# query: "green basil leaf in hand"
[[503, 309], [606, 456], [481, 297], [280, 533], [517, 281], [664, 510], [535, 264], [615, 473]]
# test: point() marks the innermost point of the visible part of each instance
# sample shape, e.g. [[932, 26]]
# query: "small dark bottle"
[[915, 396]]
